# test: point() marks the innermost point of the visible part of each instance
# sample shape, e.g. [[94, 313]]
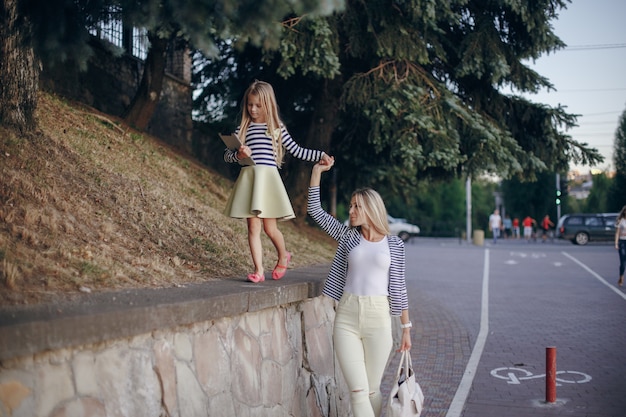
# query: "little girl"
[[259, 194]]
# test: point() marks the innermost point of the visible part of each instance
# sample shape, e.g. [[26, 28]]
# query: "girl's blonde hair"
[[266, 95], [374, 209]]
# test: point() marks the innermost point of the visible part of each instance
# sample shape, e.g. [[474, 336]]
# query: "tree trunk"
[[323, 124], [19, 74], [147, 97]]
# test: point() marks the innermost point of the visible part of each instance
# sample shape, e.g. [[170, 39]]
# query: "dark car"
[[584, 228]]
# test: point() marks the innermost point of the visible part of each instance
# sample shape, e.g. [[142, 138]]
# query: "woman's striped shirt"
[[260, 144], [349, 238]]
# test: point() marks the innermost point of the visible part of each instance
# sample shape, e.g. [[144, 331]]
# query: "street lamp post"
[[558, 196], [468, 208]]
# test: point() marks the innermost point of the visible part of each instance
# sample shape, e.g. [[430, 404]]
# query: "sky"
[[589, 75]]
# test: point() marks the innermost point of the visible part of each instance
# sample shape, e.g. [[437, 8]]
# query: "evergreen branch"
[[292, 22]]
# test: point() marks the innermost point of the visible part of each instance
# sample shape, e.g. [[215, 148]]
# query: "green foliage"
[[598, 196], [308, 54], [438, 208], [420, 82], [617, 192], [60, 27], [419, 92], [422, 89], [534, 198], [483, 202], [575, 205]]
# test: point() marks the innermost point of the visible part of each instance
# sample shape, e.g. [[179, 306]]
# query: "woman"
[[620, 243], [367, 279]]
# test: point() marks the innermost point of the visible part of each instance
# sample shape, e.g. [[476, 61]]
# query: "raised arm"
[[303, 153], [328, 223], [316, 174]]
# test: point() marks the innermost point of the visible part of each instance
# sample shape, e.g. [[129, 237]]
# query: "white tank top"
[[368, 268], [622, 228]]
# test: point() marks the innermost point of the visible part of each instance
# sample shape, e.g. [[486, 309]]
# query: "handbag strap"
[[405, 360]]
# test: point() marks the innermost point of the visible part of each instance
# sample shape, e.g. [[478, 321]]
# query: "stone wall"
[[277, 361]]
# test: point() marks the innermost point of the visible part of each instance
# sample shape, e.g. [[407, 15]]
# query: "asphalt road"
[[484, 316]]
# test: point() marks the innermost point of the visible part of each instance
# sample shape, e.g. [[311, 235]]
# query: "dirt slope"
[[87, 204]]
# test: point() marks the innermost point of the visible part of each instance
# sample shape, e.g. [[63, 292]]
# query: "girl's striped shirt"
[[260, 143]]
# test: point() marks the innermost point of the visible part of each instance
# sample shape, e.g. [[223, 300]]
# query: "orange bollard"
[[551, 374]]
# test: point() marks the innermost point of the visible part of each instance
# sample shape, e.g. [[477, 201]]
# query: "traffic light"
[[558, 197]]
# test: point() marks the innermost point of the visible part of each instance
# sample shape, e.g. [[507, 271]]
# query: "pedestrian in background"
[[620, 243], [508, 226], [528, 223], [516, 231], [546, 226], [495, 224], [367, 279]]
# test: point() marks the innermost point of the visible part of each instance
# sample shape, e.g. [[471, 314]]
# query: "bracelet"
[[406, 325]]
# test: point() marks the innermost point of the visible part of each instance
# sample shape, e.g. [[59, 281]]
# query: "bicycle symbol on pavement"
[[515, 376]]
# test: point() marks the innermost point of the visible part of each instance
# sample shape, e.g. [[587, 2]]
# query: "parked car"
[[582, 228], [399, 227]]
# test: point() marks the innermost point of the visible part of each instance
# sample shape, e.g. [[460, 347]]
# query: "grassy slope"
[[89, 204]]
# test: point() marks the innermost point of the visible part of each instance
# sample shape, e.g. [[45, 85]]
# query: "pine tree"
[[417, 90], [617, 192], [50, 31], [597, 201], [425, 89]]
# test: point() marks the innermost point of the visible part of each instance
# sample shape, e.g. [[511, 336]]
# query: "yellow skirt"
[[259, 192]]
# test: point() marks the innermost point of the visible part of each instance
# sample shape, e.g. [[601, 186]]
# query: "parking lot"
[[484, 317]]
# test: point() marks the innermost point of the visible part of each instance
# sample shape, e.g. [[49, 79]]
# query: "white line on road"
[[598, 277], [456, 407]]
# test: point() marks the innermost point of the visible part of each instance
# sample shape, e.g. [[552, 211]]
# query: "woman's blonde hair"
[[266, 95], [622, 215], [372, 205]]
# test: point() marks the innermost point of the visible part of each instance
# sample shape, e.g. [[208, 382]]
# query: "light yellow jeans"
[[363, 342]]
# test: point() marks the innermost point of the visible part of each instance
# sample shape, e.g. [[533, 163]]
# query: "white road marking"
[[534, 255], [462, 392], [511, 378], [597, 276], [456, 407]]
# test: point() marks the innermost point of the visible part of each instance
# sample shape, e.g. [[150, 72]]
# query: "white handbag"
[[406, 398]]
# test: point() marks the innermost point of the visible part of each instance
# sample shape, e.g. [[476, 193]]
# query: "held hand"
[[324, 165], [316, 173], [327, 160]]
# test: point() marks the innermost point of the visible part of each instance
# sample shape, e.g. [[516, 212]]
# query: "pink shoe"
[[279, 275], [256, 277]]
